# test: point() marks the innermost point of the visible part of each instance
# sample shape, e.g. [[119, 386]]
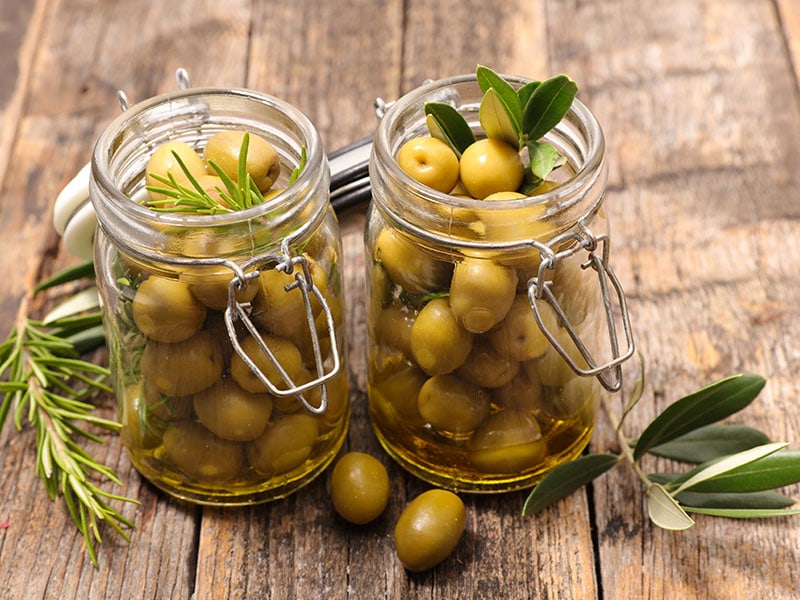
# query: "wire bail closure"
[[238, 311], [609, 374]]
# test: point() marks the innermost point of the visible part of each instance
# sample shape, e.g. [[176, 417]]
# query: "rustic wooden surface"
[[699, 101]]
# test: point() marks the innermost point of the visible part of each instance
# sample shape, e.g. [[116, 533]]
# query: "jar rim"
[[314, 170], [586, 174]]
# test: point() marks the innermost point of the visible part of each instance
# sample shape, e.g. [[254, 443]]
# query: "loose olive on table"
[[429, 529], [359, 487]]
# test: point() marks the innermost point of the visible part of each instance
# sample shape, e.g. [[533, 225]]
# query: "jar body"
[[185, 298], [465, 389]]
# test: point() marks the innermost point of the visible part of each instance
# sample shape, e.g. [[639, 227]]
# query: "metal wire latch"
[[597, 246]]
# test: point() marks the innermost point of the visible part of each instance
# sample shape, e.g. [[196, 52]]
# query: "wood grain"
[[698, 100]]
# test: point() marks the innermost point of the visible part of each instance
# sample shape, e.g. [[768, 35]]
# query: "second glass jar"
[[471, 336]]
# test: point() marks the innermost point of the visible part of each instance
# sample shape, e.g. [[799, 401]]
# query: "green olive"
[[166, 311], [137, 430], [232, 413], [429, 161], [202, 455], [551, 368], [285, 444], [519, 337], [210, 285], [452, 405], [481, 292], [524, 392], [396, 396], [359, 487], [283, 312], [163, 164], [263, 163], [408, 265], [183, 368], [284, 351], [507, 442], [490, 165], [439, 343], [486, 367], [393, 327], [515, 223], [579, 397], [429, 529]]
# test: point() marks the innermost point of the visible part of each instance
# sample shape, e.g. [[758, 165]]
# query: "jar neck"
[[192, 116], [446, 219]]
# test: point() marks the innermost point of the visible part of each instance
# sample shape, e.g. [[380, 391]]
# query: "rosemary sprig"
[[47, 387]]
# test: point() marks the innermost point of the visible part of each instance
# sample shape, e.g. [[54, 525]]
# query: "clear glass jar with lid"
[[225, 331], [494, 326]]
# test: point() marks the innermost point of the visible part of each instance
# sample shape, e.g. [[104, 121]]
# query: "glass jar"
[[225, 331], [492, 324]]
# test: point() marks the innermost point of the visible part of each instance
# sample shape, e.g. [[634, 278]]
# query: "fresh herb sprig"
[[737, 471], [520, 117], [237, 195], [47, 387]]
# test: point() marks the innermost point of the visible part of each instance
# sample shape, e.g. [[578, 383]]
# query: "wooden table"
[[699, 101]]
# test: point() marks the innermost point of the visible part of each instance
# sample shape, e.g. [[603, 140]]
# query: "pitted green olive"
[[490, 165], [263, 163], [280, 311], [166, 311], [285, 444], [286, 354], [183, 368], [519, 337], [579, 397], [439, 343], [481, 293], [232, 413], [429, 161], [452, 405], [202, 455], [163, 163], [507, 442], [408, 265], [515, 223], [523, 393], [429, 529], [486, 367], [359, 487]]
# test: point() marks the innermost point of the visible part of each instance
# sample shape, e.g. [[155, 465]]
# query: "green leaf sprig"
[[237, 195], [737, 469], [520, 117], [47, 386]]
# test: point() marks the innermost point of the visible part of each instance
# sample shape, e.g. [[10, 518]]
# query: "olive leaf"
[[496, 119], [544, 158], [525, 91], [636, 392], [744, 513], [710, 442], [703, 407], [665, 511], [86, 299], [567, 478], [84, 270], [772, 471], [769, 499], [547, 105], [450, 124], [505, 94], [718, 467]]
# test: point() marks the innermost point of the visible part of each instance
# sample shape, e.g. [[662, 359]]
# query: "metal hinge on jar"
[[609, 373], [238, 311]]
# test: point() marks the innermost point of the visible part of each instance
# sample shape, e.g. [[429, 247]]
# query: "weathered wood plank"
[[700, 111]]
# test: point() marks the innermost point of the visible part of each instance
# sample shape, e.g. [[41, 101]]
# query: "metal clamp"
[[237, 311], [609, 374]]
